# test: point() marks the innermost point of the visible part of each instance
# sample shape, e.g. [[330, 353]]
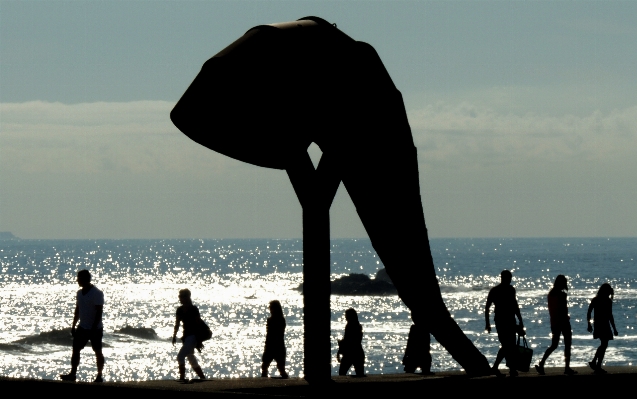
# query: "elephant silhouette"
[[265, 98]]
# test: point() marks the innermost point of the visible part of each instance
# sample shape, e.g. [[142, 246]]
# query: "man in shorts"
[[506, 309], [89, 307]]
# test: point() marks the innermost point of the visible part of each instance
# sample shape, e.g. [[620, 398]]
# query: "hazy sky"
[[524, 115]]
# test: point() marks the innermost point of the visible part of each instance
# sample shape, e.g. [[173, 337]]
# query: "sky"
[[524, 115]]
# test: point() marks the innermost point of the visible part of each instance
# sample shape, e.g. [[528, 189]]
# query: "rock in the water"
[[139, 332], [382, 275], [359, 284]]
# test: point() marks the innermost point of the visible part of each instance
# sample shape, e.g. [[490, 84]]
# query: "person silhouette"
[[188, 314], [602, 305], [417, 352], [89, 308], [274, 343], [350, 347], [506, 309], [560, 324]]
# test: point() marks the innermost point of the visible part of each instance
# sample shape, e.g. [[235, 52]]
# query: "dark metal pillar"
[[315, 190]]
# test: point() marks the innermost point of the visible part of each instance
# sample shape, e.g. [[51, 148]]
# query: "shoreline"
[[618, 379]]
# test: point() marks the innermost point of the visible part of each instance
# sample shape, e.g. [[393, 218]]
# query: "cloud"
[[138, 137], [467, 133], [135, 137]]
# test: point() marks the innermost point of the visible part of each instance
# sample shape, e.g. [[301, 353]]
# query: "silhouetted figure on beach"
[[602, 306], [89, 308], [274, 342], [506, 309], [351, 346], [188, 314], [418, 351], [560, 324]]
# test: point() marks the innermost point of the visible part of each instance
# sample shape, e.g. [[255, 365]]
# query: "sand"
[[620, 381]]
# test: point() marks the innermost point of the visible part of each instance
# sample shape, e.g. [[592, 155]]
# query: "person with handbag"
[[274, 342], [560, 324], [351, 346], [602, 305], [506, 310], [188, 314]]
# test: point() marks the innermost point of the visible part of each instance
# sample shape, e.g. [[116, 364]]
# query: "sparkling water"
[[232, 282]]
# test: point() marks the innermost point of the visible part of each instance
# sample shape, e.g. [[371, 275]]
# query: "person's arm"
[[487, 322], [177, 321], [99, 310], [519, 315], [76, 318], [588, 316], [612, 321], [341, 344]]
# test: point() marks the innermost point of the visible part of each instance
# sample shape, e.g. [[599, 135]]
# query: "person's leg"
[[555, 341], [568, 340], [190, 343], [192, 359], [426, 368], [79, 342], [499, 358], [359, 367], [510, 352], [187, 348], [96, 344], [99, 359], [502, 351], [266, 359], [506, 336], [75, 361], [280, 364], [346, 363], [593, 363], [601, 351]]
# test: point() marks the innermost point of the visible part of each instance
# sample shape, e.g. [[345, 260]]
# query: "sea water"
[[232, 282]]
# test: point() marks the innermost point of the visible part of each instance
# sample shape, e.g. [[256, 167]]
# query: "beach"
[[618, 380]]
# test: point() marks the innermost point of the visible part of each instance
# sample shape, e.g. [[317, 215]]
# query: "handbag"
[[203, 332], [523, 355]]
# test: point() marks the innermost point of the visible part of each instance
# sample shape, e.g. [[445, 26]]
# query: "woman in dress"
[[274, 343], [560, 324], [602, 304], [188, 314], [350, 347]]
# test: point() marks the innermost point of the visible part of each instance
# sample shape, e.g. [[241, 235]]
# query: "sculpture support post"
[[315, 190], [316, 292]]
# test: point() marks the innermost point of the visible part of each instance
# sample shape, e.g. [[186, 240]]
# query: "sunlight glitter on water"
[[232, 283]]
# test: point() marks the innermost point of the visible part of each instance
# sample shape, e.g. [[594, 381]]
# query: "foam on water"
[[232, 282]]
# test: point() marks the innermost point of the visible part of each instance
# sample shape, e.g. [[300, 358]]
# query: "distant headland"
[[7, 235]]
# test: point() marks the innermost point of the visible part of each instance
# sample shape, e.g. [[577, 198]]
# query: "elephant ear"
[[261, 98]]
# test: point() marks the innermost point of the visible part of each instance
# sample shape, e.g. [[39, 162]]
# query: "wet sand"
[[620, 381]]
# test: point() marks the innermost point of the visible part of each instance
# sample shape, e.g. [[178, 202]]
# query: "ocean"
[[233, 280]]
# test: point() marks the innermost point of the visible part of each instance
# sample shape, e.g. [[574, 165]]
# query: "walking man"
[[506, 309], [89, 307]]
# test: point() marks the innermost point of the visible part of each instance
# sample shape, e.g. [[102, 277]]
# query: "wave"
[[463, 288], [12, 348], [61, 337], [138, 332]]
